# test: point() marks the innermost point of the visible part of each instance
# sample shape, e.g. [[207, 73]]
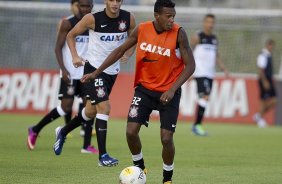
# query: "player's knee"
[[67, 109], [130, 134], [167, 141], [63, 110], [90, 113], [66, 105], [104, 108], [206, 97], [203, 101]]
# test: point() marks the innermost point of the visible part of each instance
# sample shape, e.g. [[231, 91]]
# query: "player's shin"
[[68, 117], [167, 154], [202, 104], [101, 132], [51, 116], [88, 133]]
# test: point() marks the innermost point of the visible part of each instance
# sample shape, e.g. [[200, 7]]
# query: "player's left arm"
[[130, 51], [189, 62], [221, 64]]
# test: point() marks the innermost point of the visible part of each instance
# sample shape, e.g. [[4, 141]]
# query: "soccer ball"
[[132, 175]]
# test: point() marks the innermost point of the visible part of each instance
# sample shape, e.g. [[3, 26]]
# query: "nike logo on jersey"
[[155, 49], [149, 60], [102, 26], [173, 125]]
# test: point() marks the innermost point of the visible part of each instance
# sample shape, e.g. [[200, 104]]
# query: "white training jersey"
[[81, 43], [109, 33], [205, 54], [264, 61]]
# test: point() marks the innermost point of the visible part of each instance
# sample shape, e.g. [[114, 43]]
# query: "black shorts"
[[99, 89], [266, 94], [204, 86], [145, 101], [75, 88]]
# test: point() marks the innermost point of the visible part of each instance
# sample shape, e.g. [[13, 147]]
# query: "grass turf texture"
[[231, 154]]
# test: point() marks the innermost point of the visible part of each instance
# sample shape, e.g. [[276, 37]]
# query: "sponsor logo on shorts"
[[133, 112], [100, 92]]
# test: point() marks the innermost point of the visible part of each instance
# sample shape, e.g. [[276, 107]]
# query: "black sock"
[[88, 133], [68, 117], [101, 133], [51, 116], [139, 163], [200, 115], [167, 175], [73, 124]]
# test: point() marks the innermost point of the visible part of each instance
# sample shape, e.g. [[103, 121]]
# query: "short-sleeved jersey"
[[109, 33], [81, 44], [158, 60], [264, 61], [205, 55]]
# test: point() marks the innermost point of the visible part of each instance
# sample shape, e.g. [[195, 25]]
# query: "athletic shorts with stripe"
[[204, 86], [267, 94], [99, 89], [74, 88], [145, 101]]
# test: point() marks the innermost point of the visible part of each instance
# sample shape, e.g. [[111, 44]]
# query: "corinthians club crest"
[[122, 25], [100, 92], [133, 112]]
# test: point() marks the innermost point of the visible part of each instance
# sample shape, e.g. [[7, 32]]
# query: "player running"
[[205, 46], [266, 83], [164, 61], [70, 76], [108, 29]]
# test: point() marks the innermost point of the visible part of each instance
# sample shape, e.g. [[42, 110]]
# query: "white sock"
[[168, 167], [137, 157], [102, 117]]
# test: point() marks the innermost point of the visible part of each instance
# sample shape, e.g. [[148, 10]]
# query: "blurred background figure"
[[266, 83], [205, 45], [70, 86]]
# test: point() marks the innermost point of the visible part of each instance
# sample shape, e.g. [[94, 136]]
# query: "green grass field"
[[232, 154]]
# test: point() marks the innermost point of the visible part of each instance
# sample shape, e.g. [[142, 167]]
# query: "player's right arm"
[[114, 56], [64, 28], [87, 22]]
